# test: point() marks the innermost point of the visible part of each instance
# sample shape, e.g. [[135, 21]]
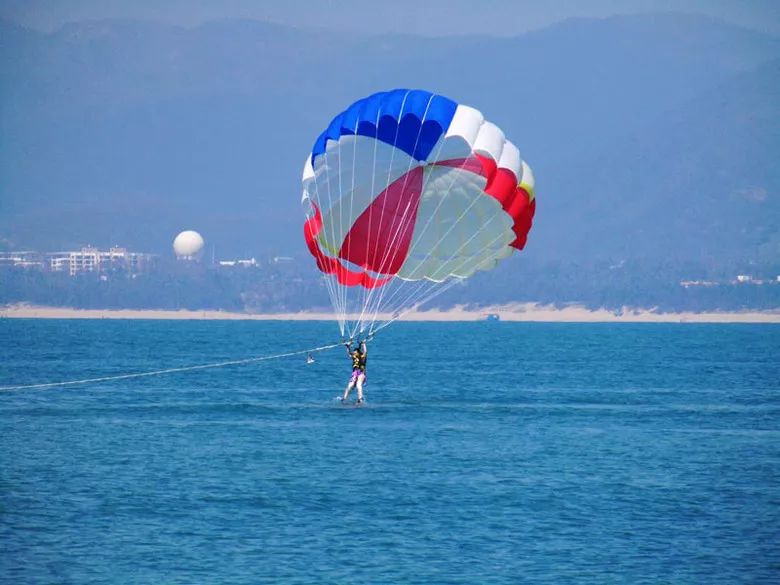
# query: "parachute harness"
[[170, 370]]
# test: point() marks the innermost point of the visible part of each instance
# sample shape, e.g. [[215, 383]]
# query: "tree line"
[[297, 286]]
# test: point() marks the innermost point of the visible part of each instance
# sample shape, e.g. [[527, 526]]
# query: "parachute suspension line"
[[171, 370], [391, 309], [405, 219], [400, 286], [326, 277], [352, 198], [344, 290], [432, 293], [415, 299], [329, 281], [372, 292], [373, 301], [339, 200], [361, 294], [337, 306], [381, 293], [380, 269], [483, 226], [365, 292], [428, 222], [425, 227], [339, 193]]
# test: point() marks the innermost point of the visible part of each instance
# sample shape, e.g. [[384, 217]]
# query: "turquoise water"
[[487, 453]]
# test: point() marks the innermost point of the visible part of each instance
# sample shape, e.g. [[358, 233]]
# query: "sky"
[[426, 17]]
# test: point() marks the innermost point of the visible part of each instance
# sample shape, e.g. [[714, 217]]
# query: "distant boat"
[[492, 317]]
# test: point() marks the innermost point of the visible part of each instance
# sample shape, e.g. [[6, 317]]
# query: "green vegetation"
[[294, 286]]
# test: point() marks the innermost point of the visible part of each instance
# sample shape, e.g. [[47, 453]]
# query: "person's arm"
[[363, 348]]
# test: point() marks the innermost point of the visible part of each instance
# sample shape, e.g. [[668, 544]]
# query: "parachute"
[[407, 193]]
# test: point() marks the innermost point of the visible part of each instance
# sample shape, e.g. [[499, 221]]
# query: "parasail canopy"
[[406, 193]]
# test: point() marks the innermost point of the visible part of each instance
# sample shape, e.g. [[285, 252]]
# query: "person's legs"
[[349, 387], [360, 380]]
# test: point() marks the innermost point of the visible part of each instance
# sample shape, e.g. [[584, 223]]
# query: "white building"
[[90, 259], [25, 259], [251, 262], [690, 283]]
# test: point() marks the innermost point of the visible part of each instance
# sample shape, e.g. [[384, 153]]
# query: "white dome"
[[187, 244]]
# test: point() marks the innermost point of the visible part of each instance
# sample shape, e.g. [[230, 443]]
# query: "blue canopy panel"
[[412, 120]]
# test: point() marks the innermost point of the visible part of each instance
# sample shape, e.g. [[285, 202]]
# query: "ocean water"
[[487, 453]]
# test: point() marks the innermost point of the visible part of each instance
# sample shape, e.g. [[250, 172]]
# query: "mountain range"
[[654, 138]]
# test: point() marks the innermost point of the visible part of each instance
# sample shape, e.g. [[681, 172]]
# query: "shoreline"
[[525, 312]]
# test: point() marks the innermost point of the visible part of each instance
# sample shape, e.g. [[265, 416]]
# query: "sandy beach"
[[531, 312]]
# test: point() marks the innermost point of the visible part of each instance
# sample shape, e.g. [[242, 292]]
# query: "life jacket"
[[359, 362]]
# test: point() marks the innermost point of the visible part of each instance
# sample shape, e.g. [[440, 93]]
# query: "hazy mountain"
[[651, 136], [699, 182]]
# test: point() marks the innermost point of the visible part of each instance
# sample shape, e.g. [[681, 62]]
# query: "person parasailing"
[[358, 355]]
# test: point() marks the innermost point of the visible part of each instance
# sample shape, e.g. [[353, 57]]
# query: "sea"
[[486, 453]]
